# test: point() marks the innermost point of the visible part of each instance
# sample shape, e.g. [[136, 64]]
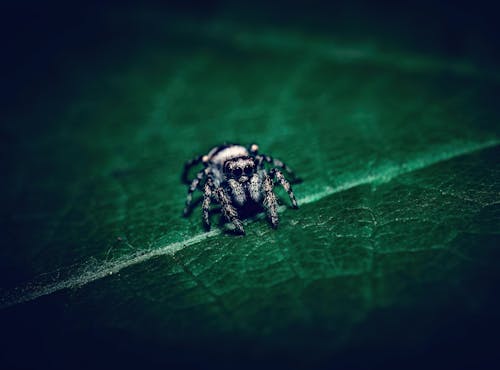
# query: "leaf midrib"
[[45, 285]]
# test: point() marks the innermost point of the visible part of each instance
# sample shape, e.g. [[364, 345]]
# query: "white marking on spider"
[[235, 177]]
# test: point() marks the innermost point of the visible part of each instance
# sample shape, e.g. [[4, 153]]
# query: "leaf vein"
[[50, 283]]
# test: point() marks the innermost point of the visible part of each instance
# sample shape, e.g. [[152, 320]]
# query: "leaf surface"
[[398, 154]]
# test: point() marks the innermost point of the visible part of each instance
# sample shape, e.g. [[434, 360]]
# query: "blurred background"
[[387, 110]]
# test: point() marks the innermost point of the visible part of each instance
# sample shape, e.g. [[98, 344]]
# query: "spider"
[[235, 177]]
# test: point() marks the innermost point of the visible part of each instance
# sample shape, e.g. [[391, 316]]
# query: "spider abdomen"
[[219, 155]]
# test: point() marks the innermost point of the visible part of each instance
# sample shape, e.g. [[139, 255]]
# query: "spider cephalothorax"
[[235, 177]]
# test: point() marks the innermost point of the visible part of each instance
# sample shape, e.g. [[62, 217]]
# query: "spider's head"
[[240, 169]]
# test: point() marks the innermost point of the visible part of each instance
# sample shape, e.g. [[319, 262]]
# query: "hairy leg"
[[228, 209], [187, 167], [286, 185], [270, 202], [275, 162], [255, 187], [194, 185], [254, 149], [207, 199], [237, 191]]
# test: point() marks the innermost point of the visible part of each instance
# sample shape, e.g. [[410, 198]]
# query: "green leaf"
[[398, 206]]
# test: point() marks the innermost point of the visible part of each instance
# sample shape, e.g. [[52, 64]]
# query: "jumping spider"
[[235, 177]]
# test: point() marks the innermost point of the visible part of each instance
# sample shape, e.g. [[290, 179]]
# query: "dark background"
[[36, 34]]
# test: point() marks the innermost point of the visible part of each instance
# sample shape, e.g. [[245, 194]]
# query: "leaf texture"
[[398, 215]]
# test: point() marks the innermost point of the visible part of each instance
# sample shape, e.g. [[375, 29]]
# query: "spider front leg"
[[228, 209], [270, 202], [237, 191], [255, 187], [286, 185], [194, 185]]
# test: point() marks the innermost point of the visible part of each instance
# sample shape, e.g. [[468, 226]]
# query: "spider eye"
[[237, 172], [248, 170]]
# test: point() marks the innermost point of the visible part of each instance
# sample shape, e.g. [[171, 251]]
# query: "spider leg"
[[255, 186], [276, 163], [207, 199], [237, 191], [270, 202], [194, 185], [286, 185], [254, 149], [228, 210], [187, 167]]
